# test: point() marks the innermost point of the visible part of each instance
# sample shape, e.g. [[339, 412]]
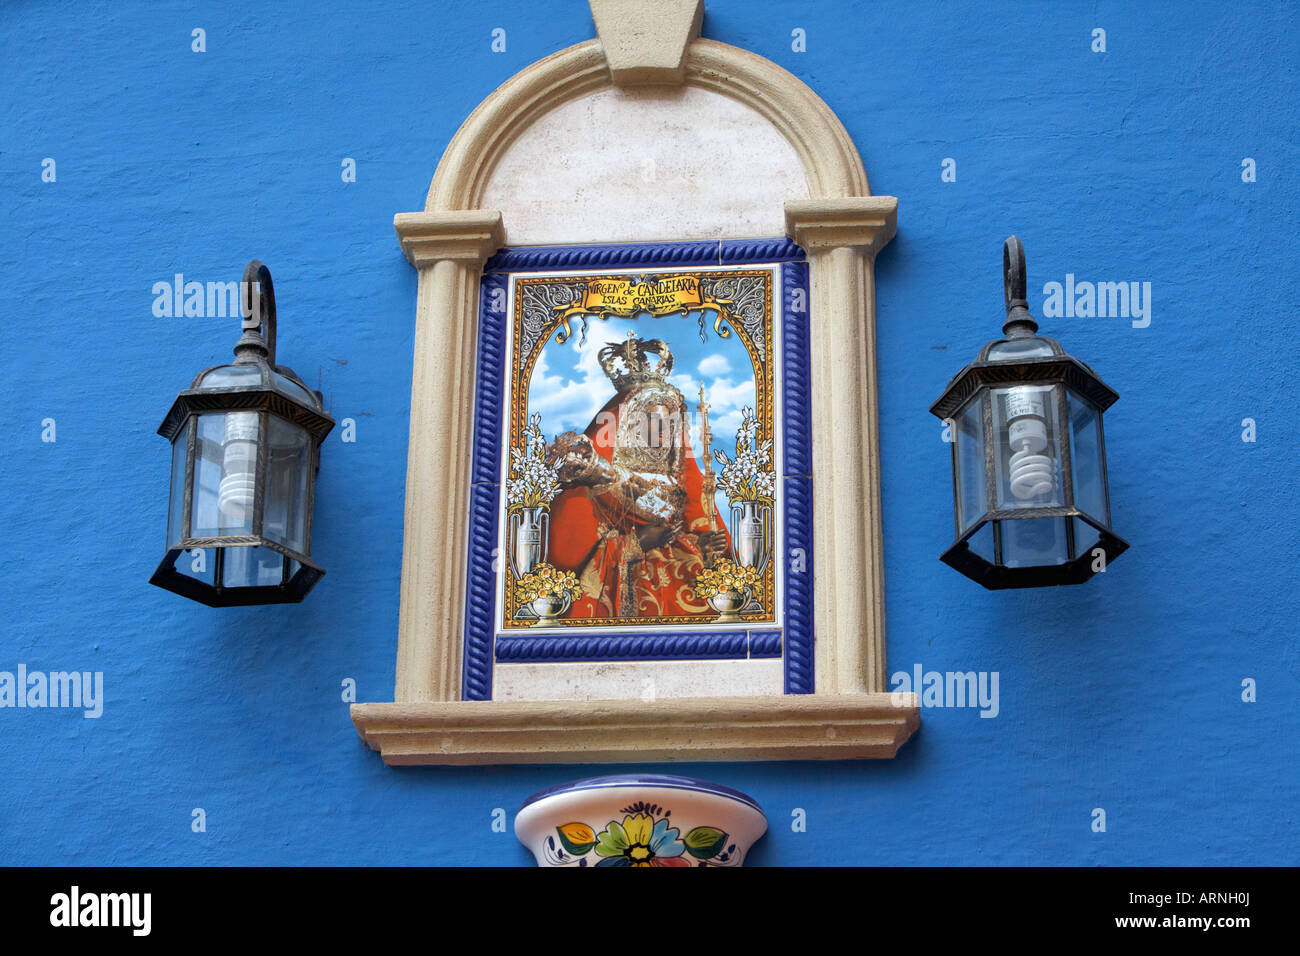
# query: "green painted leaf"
[[578, 838], [704, 843]]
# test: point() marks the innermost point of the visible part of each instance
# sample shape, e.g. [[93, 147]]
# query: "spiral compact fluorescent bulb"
[[238, 466], [1032, 473]]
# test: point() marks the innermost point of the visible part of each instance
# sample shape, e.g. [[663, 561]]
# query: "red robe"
[[592, 534]]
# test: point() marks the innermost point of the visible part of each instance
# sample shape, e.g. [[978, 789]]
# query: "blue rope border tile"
[[489, 389], [480, 594], [796, 408], [725, 645], [798, 585], [623, 647], [736, 252], [485, 478], [482, 647], [555, 258], [764, 644], [797, 417], [721, 252]]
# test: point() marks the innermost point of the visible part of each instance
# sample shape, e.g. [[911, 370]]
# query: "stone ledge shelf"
[[792, 727]]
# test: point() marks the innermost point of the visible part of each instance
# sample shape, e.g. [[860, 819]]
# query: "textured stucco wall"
[[1124, 694]]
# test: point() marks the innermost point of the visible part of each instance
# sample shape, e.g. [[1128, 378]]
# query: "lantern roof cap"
[[259, 375], [1044, 361]]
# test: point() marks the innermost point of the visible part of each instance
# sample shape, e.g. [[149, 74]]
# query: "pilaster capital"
[[855, 222], [469, 235]]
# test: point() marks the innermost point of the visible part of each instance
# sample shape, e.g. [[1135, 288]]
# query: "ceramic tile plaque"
[[641, 487]]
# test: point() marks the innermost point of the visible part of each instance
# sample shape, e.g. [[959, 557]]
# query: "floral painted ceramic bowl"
[[639, 820]]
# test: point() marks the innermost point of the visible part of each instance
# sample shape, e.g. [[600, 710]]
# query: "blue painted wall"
[[1123, 694]]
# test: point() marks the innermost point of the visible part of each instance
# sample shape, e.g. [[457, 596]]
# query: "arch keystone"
[[645, 43]]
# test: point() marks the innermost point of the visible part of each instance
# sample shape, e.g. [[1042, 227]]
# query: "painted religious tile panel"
[[640, 451], [641, 483]]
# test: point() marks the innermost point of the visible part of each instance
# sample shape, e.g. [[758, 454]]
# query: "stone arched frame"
[[841, 228], [830, 160]]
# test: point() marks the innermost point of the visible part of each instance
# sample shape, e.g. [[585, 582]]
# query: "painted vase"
[[528, 527], [751, 527], [727, 604], [548, 608], [640, 820]]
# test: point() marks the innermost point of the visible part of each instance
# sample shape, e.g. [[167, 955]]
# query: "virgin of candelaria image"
[[634, 520]]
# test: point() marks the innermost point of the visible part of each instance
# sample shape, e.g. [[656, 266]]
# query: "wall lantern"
[[1028, 456], [245, 452]]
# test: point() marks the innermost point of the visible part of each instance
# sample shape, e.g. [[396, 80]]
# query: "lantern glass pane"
[[972, 495], [287, 386], [1016, 350], [1086, 537], [252, 567], [230, 376], [199, 564], [176, 506], [1085, 458], [285, 517], [981, 542], [1026, 435], [225, 468], [1034, 542]]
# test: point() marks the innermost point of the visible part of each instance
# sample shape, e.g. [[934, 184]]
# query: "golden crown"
[[627, 363]]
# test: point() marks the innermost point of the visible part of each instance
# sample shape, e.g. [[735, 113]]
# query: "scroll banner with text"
[[625, 297]]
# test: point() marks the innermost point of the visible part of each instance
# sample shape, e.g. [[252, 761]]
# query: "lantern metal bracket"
[[257, 344], [1019, 323]]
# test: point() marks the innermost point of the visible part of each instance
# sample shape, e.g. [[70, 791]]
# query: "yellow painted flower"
[[726, 575], [545, 580]]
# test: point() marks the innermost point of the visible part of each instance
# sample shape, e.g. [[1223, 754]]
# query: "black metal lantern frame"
[[263, 555], [1031, 377]]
